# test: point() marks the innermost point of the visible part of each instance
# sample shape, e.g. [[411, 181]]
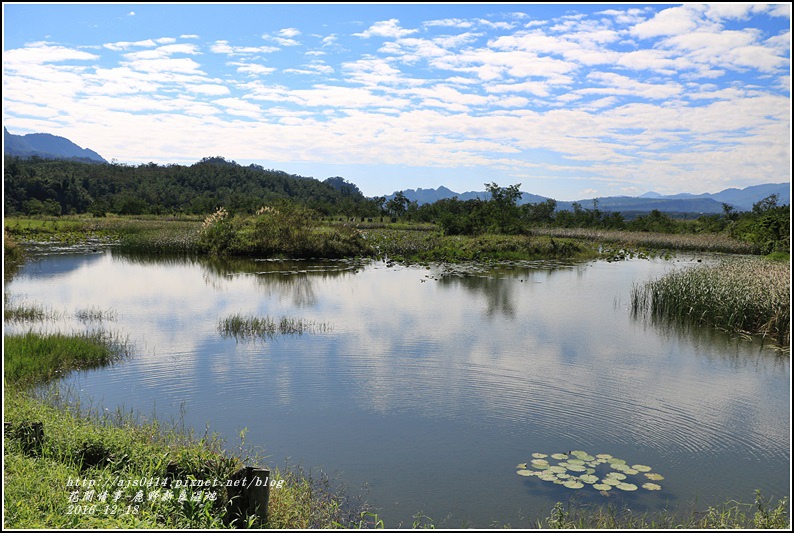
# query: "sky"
[[570, 101]]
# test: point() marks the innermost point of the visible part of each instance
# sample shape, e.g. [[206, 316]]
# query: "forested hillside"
[[43, 186]]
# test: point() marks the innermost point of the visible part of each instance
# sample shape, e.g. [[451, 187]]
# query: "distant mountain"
[[741, 199], [707, 203], [428, 196], [627, 204], [46, 146]]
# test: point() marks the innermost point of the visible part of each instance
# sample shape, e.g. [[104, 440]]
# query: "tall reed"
[[741, 295]]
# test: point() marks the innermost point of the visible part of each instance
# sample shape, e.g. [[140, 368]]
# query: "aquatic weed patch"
[[246, 327]]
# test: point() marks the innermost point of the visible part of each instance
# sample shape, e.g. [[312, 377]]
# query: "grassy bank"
[[749, 296]]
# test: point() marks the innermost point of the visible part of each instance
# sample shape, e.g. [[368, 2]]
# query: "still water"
[[429, 385]]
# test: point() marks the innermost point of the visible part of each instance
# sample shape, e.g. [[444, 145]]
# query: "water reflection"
[[435, 367]]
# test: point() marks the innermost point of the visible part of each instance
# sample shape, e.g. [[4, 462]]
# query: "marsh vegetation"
[[748, 296]]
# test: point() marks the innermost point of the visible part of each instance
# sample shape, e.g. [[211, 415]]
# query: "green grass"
[[750, 296], [32, 357], [105, 448], [760, 514]]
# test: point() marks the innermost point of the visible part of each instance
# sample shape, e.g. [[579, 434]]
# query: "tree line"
[[36, 186]]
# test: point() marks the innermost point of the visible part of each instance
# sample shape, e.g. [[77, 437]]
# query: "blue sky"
[[571, 101]]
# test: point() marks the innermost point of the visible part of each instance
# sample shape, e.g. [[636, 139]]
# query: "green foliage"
[[767, 226], [54, 187], [283, 230]]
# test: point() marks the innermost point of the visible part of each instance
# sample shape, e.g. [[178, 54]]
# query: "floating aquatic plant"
[[577, 469]]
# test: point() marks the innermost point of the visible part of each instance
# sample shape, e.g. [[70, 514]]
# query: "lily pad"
[[559, 456], [604, 456], [651, 486], [563, 476], [526, 473], [575, 462], [573, 484], [521, 465], [616, 475], [576, 468], [578, 453], [616, 461], [556, 469], [653, 476], [601, 486], [589, 479], [539, 455], [641, 468], [630, 471], [611, 481], [536, 462], [626, 486]]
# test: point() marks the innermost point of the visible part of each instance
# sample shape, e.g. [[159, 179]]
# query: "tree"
[[398, 205], [504, 212]]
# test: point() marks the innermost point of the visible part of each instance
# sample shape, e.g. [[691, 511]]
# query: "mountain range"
[[707, 203], [46, 146]]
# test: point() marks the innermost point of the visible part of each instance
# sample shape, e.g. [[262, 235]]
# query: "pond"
[[430, 384]]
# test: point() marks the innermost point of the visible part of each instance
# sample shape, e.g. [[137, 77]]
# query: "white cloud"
[[671, 21], [284, 37], [42, 53], [451, 23], [385, 28], [235, 106], [208, 88], [180, 65], [124, 45], [253, 69], [288, 33], [223, 47]]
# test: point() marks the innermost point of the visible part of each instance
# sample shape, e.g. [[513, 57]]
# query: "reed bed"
[[740, 295], [692, 242], [250, 327]]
